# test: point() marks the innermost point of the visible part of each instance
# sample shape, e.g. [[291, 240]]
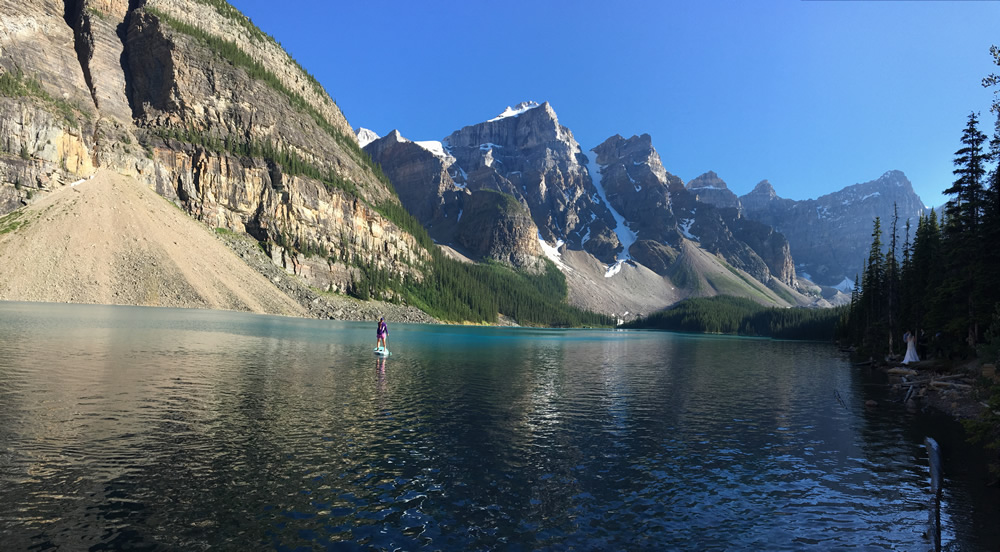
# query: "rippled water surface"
[[162, 429]]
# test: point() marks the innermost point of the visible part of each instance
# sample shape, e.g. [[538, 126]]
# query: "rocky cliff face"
[[637, 185], [494, 225], [663, 212], [830, 236], [46, 110], [484, 224], [761, 198], [192, 99], [709, 188], [422, 179], [527, 154]]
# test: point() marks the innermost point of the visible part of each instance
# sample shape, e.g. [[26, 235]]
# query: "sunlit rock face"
[[129, 86], [528, 155]]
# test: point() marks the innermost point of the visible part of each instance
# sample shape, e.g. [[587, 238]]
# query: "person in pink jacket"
[[383, 332]]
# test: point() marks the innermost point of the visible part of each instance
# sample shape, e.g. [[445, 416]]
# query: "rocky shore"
[[946, 387]]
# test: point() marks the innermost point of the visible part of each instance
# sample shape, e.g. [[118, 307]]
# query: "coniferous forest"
[[940, 277], [739, 316]]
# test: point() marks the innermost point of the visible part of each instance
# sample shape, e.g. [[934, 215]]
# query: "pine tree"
[[873, 289], [990, 232], [963, 262], [892, 279], [965, 209]]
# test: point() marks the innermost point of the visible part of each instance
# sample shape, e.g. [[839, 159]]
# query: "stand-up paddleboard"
[[381, 351]]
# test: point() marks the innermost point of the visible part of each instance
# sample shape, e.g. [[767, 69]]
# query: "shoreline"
[[951, 389]]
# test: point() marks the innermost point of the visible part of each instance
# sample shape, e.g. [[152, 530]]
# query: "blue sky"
[[811, 95]]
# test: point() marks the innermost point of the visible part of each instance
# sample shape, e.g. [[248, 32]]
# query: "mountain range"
[[616, 205], [190, 99]]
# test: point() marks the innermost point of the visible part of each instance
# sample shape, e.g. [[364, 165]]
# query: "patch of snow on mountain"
[[846, 286], [366, 136], [626, 236], [461, 173], [585, 236], [515, 111], [435, 147], [685, 226], [873, 194], [552, 252], [822, 211], [635, 184]]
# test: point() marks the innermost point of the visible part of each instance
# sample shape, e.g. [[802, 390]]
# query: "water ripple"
[[165, 429]]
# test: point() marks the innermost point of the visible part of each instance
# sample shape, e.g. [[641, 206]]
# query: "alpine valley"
[[188, 99]]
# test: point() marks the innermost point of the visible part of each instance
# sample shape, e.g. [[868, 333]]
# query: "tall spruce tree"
[[965, 209], [892, 280], [963, 262], [991, 217], [873, 289]]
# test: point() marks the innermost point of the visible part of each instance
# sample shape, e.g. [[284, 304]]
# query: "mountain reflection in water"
[[125, 427]]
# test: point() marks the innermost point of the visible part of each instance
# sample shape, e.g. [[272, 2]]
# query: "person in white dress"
[[911, 348]]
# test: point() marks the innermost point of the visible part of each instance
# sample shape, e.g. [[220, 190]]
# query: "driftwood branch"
[[950, 385]]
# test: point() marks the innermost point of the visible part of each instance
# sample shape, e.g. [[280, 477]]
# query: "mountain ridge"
[[831, 234], [620, 205]]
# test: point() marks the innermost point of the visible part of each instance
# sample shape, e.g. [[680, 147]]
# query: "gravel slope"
[[111, 240]]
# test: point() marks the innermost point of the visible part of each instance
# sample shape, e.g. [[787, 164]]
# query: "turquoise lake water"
[[167, 429]]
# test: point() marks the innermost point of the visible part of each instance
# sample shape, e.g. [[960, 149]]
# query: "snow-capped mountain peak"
[[366, 136], [516, 110]]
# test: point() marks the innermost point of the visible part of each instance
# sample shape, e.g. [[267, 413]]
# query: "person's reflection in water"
[[380, 373]]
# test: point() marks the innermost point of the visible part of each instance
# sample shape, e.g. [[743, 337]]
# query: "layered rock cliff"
[[191, 98], [46, 127]]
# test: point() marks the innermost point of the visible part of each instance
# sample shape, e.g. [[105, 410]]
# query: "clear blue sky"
[[811, 95]]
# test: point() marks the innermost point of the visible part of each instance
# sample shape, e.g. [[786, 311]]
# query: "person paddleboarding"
[[383, 332]]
